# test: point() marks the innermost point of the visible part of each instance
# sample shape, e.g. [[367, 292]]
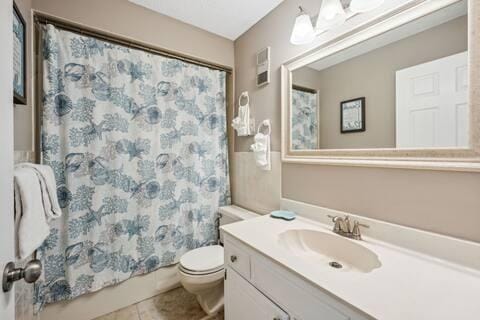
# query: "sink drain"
[[335, 265]]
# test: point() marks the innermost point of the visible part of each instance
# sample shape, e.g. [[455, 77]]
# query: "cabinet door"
[[244, 301]]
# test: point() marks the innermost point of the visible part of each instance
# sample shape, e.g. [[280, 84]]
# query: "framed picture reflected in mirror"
[[352, 115]]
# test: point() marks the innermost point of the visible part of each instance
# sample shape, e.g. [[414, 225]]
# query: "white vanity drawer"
[[238, 259], [303, 303]]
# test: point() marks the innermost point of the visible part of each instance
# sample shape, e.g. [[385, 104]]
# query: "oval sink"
[[329, 250]]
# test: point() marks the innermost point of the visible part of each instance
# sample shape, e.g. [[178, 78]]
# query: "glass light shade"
[[359, 6], [302, 32], [331, 15], [330, 9]]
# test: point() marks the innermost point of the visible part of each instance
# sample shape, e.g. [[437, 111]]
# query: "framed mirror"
[[399, 91]]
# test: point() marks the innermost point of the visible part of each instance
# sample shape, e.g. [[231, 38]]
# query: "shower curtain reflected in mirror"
[[305, 124], [138, 145]]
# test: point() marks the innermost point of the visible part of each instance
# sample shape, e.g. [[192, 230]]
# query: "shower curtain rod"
[[102, 35]]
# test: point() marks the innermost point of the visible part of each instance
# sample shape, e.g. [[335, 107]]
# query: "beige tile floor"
[[176, 304]]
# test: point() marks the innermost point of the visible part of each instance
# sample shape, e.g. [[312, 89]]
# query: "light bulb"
[[331, 15], [302, 32], [360, 6]]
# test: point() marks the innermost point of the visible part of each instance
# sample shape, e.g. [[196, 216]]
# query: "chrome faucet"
[[342, 227]]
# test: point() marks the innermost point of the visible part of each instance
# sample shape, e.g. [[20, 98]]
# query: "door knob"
[[233, 258], [30, 273]]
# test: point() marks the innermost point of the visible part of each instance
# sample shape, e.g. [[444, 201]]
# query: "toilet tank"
[[231, 214]]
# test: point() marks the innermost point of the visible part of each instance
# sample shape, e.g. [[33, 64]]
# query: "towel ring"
[[244, 94]]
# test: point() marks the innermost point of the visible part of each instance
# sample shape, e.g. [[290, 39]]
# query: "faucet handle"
[[336, 220], [356, 234]]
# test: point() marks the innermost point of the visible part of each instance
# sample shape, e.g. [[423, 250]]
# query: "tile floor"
[[176, 304]]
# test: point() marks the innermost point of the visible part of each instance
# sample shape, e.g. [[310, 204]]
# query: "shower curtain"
[[304, 120], [138, 145]]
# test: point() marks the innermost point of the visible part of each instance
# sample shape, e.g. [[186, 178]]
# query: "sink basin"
[[329, 250]]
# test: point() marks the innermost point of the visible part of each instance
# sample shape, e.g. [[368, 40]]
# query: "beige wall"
[[307, 77], [372, 76], [443, 202], [23, 114]]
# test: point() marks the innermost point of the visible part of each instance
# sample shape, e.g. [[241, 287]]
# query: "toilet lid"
[[205, 259]]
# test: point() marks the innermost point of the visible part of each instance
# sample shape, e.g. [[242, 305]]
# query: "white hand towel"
[[48, 186], [30, 216], [261, 147]]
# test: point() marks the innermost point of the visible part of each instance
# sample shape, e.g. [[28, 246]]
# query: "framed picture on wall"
[[19, 58], [352, 115]]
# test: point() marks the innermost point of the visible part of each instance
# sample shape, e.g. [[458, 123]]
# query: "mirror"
[[406, 88]]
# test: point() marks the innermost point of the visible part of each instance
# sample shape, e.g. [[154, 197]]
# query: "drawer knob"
[[233, 258]]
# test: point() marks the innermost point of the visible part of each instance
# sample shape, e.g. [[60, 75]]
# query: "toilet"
[[202, 270]]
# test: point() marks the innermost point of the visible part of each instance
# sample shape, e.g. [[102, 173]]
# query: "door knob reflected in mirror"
[[30, 273]]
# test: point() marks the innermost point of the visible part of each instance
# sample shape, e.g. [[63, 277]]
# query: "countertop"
[[407, 286]]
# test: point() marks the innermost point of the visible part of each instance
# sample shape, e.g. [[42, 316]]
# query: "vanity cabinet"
[[244, 301], [256, 287]]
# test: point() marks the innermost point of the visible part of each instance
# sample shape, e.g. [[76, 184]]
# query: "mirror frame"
[[456, 159]]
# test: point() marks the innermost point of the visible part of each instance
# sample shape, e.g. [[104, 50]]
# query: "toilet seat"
[[202, 261]]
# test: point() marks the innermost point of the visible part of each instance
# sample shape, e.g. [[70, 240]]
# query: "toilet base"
[[212, 301], [208, 290]]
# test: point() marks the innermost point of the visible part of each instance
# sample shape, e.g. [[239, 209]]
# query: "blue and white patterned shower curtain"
[[138, 145], [304, 120]]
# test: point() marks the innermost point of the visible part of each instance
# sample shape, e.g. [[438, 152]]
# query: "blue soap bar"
[[282, 214]]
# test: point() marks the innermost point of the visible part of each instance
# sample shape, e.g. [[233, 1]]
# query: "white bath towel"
[[46, 177], [35, 205]]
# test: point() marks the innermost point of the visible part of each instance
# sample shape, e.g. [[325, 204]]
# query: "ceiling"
[[227, 18]]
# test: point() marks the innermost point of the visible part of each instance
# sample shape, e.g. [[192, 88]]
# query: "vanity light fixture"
[[302, 32], [331, 15]]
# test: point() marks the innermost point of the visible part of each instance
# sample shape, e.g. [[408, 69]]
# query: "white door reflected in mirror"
[[432, 104]]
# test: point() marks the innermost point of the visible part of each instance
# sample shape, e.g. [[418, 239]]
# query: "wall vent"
[[263, 67]]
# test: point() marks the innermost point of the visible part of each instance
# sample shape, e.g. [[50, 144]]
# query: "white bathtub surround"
[[115, 297], [421, 275], [253, 188]]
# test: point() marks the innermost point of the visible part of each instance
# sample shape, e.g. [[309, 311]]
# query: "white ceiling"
[[227, 18]]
